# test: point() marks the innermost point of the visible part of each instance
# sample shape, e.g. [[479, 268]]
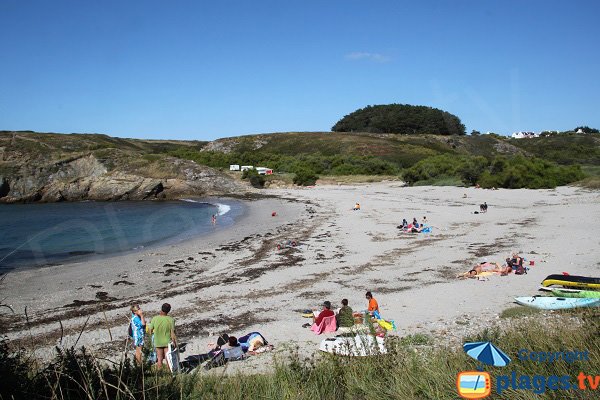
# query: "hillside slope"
[[404, 150]]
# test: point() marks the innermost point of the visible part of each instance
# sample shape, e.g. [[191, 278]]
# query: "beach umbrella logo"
[[477, 384], [487, 353]]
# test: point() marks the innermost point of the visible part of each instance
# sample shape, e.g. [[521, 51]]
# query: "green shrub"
[[502, 172], [255, 179], [305, 177]]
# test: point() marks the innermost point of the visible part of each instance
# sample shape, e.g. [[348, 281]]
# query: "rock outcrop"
[[109, 175]]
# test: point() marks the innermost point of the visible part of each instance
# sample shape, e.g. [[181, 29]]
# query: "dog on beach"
[[483, 207]]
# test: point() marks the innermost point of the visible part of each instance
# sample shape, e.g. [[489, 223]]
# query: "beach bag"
[[520, 270]]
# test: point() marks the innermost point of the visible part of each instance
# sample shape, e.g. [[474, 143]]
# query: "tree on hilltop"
[[400, 118]]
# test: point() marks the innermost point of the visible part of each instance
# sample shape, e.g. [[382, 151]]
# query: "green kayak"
[[580, 294]]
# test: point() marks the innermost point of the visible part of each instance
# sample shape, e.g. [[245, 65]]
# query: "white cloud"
[[376, 57]]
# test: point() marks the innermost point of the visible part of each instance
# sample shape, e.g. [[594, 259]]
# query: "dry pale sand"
[[237, 281]]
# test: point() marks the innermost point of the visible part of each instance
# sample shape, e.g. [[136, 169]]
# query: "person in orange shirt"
[[373, 306]]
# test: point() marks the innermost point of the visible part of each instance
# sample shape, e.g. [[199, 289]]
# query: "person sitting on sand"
[[373, 305], [356, 207], [415, 226], [515, 260], [138, 324], [325, 312], [344, 317], [515, 263], [163, 328]]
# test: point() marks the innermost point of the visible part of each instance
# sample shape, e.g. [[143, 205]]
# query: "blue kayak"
[[556, 303]]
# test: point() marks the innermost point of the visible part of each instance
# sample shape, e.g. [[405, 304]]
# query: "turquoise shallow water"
[[41, 234]]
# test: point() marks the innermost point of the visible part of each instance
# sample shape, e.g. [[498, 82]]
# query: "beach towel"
[[387, 325], [328, 324]]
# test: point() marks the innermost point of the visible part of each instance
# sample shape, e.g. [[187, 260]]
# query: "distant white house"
[[524, 135], [264, 171], [234, 167], [247, 167]]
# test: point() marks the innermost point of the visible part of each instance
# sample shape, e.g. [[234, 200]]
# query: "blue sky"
[[204, 70]]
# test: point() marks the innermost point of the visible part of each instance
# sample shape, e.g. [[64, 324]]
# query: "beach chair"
[[328, 324]]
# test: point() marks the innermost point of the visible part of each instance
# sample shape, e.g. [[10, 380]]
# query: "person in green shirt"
[[163, 328], [344, 317]]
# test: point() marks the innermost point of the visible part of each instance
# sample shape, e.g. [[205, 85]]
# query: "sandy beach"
[[237, 281]]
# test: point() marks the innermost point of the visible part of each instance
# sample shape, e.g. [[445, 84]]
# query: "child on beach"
[[137, 326]]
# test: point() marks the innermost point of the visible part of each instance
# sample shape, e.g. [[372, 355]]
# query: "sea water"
[[45, 234]]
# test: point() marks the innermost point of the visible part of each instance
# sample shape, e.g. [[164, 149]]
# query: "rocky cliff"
[[52, 167]]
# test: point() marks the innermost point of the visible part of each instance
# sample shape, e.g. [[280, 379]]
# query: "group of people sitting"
[[327, 320], [415, 227], [513, 263]]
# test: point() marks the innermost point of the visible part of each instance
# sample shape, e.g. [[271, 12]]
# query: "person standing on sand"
[[373, 306], [138, 323], [163, 328]]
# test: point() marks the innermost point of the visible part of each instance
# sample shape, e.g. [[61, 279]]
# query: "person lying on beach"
[[251, 344], [483, 266], [230, 352]]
